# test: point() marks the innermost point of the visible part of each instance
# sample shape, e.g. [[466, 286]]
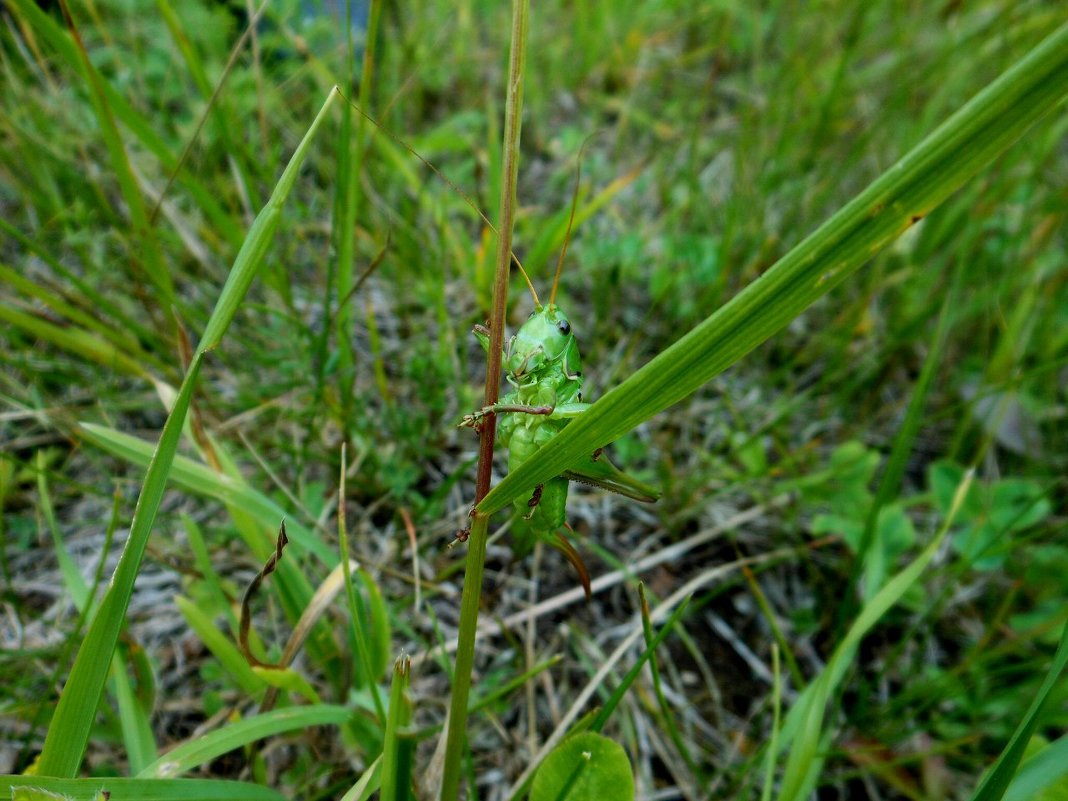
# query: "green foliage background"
[[725, 133]]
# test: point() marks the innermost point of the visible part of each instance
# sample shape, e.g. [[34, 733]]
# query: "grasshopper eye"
[[564, 327]]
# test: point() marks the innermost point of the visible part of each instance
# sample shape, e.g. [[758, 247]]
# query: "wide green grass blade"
[[1040, 771], [200, 751], [966, 143], [69, 731], [996, 782], [138, 789]]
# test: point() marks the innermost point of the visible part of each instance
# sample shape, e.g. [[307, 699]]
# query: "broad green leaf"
[[1043, 776], [50, 789], [586, 767], [966, 143], [203, 749]]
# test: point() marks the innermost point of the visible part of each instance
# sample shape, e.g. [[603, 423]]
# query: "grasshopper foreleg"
[[474, 420]]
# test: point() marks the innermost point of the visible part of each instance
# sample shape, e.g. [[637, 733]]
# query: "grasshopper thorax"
[[545, 341]]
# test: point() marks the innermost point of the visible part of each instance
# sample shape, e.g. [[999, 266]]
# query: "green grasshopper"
[[542, 363]]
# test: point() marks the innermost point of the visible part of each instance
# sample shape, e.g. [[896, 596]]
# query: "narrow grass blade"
[[143, 233], [122, 341], [221, 117], [138, 789], [250, 258], [399, 747], [134, 720], [61, 41], [90, 296], [69, 731], [221, 647], [361, 621], [367, 784], [202, 480], [803, 730], [79, 342], [903, 442], [200, 751], [669, 718], [72, 577], [632, 674], [996, 782], [966, 143]]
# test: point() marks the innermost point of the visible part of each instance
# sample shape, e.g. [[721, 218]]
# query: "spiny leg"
[[475, 418]]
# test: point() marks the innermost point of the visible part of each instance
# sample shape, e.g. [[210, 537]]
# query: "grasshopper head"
[[541, 341]]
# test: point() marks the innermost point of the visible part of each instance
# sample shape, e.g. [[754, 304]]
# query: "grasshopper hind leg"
[[564, 546]]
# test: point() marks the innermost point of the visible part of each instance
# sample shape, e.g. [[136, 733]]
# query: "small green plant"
[[584, 766]]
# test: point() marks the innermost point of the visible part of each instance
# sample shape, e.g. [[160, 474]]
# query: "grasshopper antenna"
[[571, 219], [474, 206]]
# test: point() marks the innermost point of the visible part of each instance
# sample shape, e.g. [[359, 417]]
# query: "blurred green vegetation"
[[733, 130]]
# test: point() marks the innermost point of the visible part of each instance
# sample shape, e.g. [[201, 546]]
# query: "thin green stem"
[[476, 555]]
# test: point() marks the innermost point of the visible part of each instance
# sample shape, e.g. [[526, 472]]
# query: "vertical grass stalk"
[[476, 554]]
